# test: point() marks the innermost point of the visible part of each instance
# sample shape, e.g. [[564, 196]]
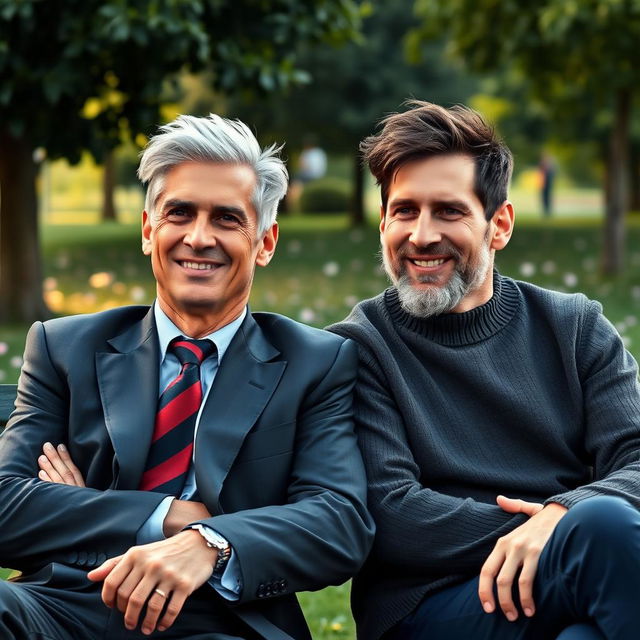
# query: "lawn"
[[320, 271]]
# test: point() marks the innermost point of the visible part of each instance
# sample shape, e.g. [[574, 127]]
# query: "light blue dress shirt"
[[229, 584]]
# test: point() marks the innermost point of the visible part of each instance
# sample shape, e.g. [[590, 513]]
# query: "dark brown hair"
[[428, 129]]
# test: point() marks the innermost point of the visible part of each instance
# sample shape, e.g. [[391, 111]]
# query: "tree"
[[354, 86], [80, 74], [579, 56]]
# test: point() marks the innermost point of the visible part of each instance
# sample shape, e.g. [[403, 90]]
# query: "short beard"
[[433, 301]]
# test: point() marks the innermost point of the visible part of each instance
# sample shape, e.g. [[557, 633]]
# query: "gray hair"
[[214, 139]]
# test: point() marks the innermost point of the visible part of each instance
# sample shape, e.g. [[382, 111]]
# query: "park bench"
[[7, 397]]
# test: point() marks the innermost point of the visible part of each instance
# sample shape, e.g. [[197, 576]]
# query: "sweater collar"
[[457, 329]]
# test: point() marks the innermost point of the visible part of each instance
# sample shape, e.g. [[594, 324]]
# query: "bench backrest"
[[7, 397]]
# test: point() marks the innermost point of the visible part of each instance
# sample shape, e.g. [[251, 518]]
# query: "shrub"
[[326, 195]]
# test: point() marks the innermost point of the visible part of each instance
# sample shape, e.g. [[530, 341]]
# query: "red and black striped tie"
[[172, 444]]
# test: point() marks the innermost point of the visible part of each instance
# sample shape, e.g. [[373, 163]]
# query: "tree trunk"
[[108, 187], [356, 210], [617, 185], [20, 262]]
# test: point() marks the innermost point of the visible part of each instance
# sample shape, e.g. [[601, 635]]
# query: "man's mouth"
[[428, 263], [200, 266]]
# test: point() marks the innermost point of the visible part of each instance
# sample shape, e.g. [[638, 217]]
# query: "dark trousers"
[[75, 611], [587, 587]]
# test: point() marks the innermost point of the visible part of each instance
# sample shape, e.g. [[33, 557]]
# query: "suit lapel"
[[128, 383], [242, 387]]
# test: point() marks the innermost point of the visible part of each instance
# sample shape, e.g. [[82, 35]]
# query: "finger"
[[101, 572], [114, 580], [514, 505], [59, 464], [174, 606], [43, 475], [159, 598], [488, 574], [525, 584], [66, 458], [504, 584], [45, 464], [139, 595], [126, 589]]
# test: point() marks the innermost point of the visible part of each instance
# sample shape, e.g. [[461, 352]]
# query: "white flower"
[[527, 269], [137, 294], [16, 362], [548, 267], [307, 315], [570, 279], [331, 269], [4, 347]]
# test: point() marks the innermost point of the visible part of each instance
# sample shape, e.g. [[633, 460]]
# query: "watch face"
[[211, 536]]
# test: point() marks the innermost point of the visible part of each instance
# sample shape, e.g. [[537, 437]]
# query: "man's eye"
[[450, 212], [404, 211], [177, 213], [228, 218]]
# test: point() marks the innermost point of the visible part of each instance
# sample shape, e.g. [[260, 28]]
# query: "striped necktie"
[[172, 443]]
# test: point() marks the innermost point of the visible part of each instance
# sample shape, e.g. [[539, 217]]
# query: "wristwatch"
[[215, 541]]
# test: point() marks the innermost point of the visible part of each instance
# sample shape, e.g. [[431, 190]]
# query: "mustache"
[[435, 248]]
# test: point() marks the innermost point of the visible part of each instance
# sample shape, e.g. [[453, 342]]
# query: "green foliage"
[[573, 54], [326, 195], [79, 74], [354, 86]]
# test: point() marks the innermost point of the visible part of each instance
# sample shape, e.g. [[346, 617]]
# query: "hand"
[[176, 567], [180, 514], [57, 466], [518, 550]]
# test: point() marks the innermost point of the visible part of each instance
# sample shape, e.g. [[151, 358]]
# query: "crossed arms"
[[314, 530]]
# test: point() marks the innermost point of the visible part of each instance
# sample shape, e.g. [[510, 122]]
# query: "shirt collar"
[[167, 331]]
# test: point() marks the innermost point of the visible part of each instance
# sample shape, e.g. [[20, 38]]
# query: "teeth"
[[202, 266], [428, 263]]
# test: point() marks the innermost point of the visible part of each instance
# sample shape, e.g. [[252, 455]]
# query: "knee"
[[580, 632], [606, 519]]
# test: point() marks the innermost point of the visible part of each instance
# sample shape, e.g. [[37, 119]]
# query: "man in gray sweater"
[[500, 422]]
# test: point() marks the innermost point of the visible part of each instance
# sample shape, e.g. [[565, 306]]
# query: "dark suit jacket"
[[275, 458]]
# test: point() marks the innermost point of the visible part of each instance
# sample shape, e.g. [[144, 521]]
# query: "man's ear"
[[268, 246], [146, 233], [502, 226], [382, 218]]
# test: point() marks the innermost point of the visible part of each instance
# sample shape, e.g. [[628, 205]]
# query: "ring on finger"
[[161, 593]]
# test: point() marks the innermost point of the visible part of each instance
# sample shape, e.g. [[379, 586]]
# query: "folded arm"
[[43, 522]]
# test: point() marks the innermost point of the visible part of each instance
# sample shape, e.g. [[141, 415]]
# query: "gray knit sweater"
[[531, 395]]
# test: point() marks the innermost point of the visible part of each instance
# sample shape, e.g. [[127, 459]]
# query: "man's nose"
[[200, 235], [425, 230]]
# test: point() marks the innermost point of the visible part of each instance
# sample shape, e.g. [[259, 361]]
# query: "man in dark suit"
[[208, 537]]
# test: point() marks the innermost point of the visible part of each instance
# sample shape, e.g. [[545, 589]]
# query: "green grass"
[[320, 270]]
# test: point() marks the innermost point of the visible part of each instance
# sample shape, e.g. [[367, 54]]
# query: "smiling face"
[[204, 244], [437, 245]]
